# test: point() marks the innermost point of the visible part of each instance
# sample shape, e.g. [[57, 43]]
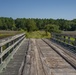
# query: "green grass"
[[71, 38], [37, 34], [72, 42], [34, 34]]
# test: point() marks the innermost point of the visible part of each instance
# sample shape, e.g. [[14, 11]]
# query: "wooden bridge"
[[21, 56]]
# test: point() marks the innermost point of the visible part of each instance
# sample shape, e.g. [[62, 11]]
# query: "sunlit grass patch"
[[37, 34]]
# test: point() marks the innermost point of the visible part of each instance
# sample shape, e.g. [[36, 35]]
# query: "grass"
[[37, 34], [73, 33], [34, 34], [4, 34], [69, 32], [71, 38]]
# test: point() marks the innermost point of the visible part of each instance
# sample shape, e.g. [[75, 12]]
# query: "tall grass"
[[4, 34], [37, 34]]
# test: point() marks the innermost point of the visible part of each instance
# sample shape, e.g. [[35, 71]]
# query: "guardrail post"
[[68, 40], [64, 38], [0, 60], [52, 35], [1, 52], [75, 42], [1, 49]]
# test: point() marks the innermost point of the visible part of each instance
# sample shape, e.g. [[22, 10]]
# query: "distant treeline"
[[36, 24]]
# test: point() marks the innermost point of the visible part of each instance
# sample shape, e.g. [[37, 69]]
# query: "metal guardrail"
[[8, 48]]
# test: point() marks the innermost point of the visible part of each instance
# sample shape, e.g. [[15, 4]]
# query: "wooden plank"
[[26, 70], [32, 68], [46, 66], [40, 70], [52, 62]]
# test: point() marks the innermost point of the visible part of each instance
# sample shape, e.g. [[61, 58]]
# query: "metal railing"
[[8, 48]]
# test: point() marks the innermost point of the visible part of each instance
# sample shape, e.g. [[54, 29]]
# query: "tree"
[[51, 28], [37, 24], [0, 24], [31, 25]]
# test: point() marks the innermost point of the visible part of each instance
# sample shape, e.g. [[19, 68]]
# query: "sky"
[[55, 9]]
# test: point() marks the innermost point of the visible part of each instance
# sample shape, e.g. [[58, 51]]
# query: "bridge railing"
[[8, 48], [66, 40]]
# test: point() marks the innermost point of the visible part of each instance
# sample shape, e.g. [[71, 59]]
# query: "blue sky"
[[55, 9]]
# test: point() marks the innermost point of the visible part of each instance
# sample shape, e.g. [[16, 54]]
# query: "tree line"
[[33, 24]]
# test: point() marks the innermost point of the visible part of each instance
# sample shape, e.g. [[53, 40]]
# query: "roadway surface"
[[41, 58]]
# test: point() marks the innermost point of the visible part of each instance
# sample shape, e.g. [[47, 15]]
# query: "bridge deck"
[[15, 63], [41, 59]]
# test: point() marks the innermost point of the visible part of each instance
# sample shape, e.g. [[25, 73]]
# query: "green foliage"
[[36, 24], [37, 34], [31, 25], [52, 28]]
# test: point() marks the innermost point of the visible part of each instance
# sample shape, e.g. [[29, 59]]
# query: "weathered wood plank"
[[40, 70], [53, 63], [26, 70]]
